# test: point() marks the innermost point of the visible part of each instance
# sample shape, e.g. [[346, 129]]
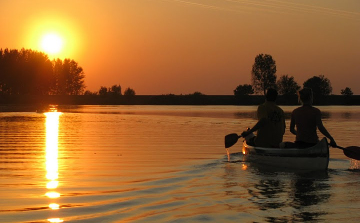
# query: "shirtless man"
[[307, 119], [271, 123]]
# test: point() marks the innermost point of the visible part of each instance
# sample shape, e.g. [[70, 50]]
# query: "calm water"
[[163, 164]]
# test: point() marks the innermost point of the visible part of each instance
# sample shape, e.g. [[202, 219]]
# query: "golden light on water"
[[51, 159], [354, 164], [52, 184], [228, 154], [55, 220], [52, 133], [52, 194], [244, 166], [54, 206]]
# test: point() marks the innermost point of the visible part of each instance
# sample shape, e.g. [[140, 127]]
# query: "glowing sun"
[[51, 43]]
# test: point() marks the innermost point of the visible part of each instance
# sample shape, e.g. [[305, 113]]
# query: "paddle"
[[352, 152], [231, 139]]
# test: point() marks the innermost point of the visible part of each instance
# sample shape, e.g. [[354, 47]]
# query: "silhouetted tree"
[[129, 92], [263, 73], [115, 90], [37, 72], [287, 85], [103, 91], [59, 85], [72, 76], [347, 91], [319, 84], [196, 93], [87, 92], [25, 72], [31, 72], [245, 89]]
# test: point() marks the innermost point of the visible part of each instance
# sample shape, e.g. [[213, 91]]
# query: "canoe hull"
[[313, 158]]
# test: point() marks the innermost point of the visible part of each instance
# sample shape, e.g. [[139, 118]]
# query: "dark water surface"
[[164, 164]]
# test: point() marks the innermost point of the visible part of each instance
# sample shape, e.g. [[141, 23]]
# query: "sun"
[[51, 43]]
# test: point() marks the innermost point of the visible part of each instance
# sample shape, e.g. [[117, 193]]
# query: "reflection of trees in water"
[[268, 194], [253, 115], [309, 192], [283, 197], [346, 115], [302, 193], [325, 115], [250, 115]]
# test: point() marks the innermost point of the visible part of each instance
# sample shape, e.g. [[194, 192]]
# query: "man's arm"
[[284, 123], [262, 122], [292, 125], [323, 130]]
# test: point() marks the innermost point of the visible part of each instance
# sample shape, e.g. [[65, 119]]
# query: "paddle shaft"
[[339, 147]]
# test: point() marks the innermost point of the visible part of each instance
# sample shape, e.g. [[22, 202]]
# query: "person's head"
[[271, 94], [306, 95]]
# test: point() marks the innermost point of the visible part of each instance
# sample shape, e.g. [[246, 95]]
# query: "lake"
[[164, 164]]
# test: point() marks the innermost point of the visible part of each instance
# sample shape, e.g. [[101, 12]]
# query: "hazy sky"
[[183, 46]]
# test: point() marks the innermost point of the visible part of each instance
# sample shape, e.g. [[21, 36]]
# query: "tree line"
[[263, 76], [29, 72], [114, 90]]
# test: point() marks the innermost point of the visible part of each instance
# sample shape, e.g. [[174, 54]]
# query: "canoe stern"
[[313, 158]]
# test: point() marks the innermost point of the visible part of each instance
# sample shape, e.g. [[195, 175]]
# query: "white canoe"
[[312, 158]]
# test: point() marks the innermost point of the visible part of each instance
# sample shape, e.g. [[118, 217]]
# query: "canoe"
[[312, 158]]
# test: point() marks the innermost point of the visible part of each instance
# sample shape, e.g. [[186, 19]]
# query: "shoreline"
[[169, 100]]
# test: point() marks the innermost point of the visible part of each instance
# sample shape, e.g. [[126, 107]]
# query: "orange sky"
[[183, 46]]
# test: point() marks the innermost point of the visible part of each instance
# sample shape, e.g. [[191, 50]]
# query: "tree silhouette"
[[129, 92], [59, 84], [73, 75], [32, 73], [319, 84], [115, 90], [103, 91], [263, 73], [87, 92], [347, 91], [287, 85], [245, 89], [196, 93], [25, 72]]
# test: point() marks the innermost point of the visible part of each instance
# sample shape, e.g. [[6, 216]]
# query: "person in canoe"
[[271, 123], [304, 122]]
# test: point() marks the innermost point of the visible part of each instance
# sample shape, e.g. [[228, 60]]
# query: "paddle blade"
[[352, 152], [231, 139]]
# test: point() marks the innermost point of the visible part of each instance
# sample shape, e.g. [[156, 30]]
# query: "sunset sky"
[[183, 46]]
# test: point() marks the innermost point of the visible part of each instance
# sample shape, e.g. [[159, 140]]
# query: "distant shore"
[[169, 100]]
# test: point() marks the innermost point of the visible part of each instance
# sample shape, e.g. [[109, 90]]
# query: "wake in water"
[[354, 165]]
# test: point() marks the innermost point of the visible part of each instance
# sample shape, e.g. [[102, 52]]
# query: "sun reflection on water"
[[55, 220], [51, 155], [52, 194], [52, 184], [54, 206]]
